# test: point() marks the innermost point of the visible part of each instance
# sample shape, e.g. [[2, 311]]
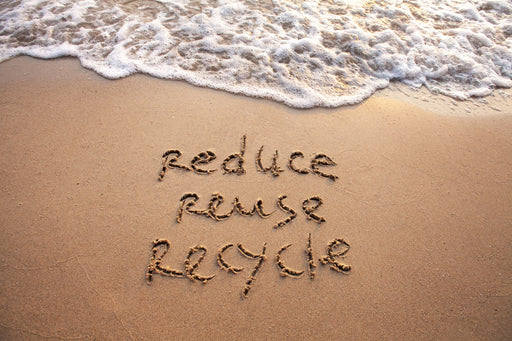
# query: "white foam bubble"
[[310, 53]]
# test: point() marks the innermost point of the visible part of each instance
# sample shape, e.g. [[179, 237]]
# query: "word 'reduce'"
[[234, 163]]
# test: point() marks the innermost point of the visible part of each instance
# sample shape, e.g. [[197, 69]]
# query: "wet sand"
[[423, 200]]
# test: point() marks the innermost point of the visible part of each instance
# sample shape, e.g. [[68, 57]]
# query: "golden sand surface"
[[414, 227]]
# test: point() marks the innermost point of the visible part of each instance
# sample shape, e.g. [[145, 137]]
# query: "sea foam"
[[302, 53]]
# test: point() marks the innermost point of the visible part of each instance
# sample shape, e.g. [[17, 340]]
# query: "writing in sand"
[[235, 164]]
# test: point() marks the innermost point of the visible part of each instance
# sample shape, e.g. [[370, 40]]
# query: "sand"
[[423, 200]]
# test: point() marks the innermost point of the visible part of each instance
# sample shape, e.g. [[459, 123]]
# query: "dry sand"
[[424, 198]]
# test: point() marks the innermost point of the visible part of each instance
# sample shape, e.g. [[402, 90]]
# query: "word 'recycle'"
[[336, 250]]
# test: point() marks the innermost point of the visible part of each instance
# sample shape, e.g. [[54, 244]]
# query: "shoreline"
[[493, 104], [423, 198]]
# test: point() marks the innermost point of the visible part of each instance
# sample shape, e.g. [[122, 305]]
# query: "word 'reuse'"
[[234, 163], [189, 200]]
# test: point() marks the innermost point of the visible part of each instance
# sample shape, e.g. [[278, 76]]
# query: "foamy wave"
[[302, 53]]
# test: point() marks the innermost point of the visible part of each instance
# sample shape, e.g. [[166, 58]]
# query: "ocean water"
[[303, 53]]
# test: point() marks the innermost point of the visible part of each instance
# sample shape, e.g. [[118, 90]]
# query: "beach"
[[422, 202]]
